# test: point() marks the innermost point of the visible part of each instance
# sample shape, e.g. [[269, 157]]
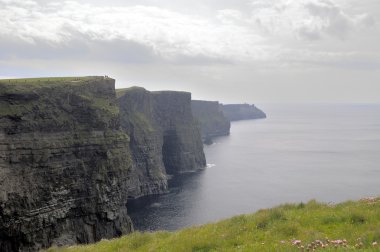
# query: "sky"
[[251, 51]]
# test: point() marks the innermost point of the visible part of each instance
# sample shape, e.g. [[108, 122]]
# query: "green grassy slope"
[[350, 226], [51, 95], [122, 91], [29, 83]]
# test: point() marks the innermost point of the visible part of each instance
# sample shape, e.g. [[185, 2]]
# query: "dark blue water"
[[327, 152]]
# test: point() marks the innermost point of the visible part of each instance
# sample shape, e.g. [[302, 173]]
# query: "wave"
[[155, 205]]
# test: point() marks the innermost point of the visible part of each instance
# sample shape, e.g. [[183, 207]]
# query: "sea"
[[300, 152]]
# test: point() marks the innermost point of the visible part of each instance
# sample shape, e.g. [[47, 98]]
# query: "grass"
[[142, 122], [59, 99], [29, 94], [49, 79], [32, 84], [349, 226], [122, 91]]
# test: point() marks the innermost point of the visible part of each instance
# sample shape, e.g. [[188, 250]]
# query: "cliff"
[[71, 154], [165, 138], [236, 112], [64, 163], [211, 118]]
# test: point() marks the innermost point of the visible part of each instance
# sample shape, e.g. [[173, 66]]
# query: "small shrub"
[[262, 224], [203, 248], [301, 205], [357, 218]]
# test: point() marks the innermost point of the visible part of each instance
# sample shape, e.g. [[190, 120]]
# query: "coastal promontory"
[[237, 112]]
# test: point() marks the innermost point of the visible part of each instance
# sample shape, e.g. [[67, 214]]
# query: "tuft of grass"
[[267, 230]]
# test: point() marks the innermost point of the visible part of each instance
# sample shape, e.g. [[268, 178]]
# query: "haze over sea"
[[327, 152]]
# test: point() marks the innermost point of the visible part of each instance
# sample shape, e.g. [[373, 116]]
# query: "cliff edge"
[[64, 163], [165, 138]]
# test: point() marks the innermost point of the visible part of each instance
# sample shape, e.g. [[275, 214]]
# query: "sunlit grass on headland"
[[49, 80], [349, 226], [49, 95]]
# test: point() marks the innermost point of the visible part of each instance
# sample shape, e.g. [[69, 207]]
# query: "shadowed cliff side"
[[236, 112], [148, 174], [63, 163], [165, 139], [211, 119]]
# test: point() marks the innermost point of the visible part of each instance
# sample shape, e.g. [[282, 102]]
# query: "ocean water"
[[327, 152]]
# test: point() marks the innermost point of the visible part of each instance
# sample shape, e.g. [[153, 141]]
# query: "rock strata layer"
[[64, 163], [165, 138]]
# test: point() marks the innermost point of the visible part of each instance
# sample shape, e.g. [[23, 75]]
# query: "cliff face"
[[67, 167], [165, 138], [182, 144], [64, 163], [148, 175], [211, 118], [236, 112]]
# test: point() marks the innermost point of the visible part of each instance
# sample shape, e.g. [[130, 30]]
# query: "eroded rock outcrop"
[[211, 119], [236, 112], [165, 138], [64, 163]]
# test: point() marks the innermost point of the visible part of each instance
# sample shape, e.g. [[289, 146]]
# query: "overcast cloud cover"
[[228, 50]]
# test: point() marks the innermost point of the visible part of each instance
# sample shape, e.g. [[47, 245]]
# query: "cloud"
[[167, 34], [263, 31], [332, 20], [311, 19]]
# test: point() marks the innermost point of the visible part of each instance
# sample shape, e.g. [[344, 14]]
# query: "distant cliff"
[[211, 118], [236, 112], [64, 163], [165, 138]]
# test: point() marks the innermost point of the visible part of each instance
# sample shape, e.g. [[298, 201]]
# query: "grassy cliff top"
[[51, 79], [122, 91], [57, 97], [349, 226], [33, 83]]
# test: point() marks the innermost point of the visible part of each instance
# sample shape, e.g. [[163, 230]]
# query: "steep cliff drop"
[[236, 112], [211, 119], [63, 163], [165, 138]]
